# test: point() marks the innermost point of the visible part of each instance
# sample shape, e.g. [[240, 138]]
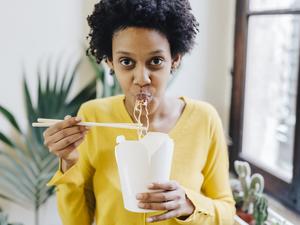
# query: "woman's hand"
[[63, 138], [171, 198]]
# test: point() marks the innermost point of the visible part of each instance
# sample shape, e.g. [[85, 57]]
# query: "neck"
[[157, 110]]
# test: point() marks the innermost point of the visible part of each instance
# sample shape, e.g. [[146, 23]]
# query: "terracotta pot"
[[248, 218]]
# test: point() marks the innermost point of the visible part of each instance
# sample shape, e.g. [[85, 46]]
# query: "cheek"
[[160, 80], [125, 81]]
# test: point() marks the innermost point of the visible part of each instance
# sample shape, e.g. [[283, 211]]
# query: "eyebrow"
[[151, 53]]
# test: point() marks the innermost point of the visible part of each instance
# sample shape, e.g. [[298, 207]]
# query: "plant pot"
[[247, 217]]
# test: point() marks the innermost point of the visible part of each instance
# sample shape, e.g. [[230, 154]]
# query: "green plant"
[[4, 219], [26, 165], [251, 186], [106, 88], [250, 197], [260, 211]]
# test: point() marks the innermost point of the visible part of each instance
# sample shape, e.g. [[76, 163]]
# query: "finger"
[[67, 117], [157, 196], [164, 216], [168, 186], [64, 133], [61, 125], [170, 205], [62, 144], [64, 153]]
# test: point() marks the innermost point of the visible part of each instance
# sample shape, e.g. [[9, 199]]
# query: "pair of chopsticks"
[[42, 122]]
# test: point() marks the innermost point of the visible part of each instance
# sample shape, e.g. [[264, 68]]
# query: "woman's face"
[[141, 59]]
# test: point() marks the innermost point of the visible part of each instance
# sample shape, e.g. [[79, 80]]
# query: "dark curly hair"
[[173, 18]]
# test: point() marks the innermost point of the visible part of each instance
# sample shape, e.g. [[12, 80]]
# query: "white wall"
[[31, 32], [34, 30], [205, 73]]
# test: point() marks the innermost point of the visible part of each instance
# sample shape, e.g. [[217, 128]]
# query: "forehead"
[[139, 40]]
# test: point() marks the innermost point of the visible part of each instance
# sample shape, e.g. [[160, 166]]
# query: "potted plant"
[[251, 204], [26, 165]]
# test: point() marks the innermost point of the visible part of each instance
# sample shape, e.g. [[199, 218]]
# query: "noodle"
[[137, 113]]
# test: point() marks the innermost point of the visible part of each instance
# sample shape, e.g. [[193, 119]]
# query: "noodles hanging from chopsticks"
[[139, 106]]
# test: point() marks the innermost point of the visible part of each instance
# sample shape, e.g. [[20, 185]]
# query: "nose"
[[142, 76]]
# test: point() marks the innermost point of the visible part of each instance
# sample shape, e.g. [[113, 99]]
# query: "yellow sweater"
[[91, 188]]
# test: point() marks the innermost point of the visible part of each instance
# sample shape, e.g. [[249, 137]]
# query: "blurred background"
[[245, 63]]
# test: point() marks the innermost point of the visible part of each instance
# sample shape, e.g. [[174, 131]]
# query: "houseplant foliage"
[[4, 219], [109, 86], [26, 165], [252, 206]]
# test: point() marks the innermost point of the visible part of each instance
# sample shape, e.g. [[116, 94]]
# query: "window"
[[265, 109]]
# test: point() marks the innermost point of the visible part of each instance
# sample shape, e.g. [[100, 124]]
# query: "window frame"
[[287, 193]]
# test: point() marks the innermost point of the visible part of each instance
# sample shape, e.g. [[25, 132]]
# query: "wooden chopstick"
[[43, 122]]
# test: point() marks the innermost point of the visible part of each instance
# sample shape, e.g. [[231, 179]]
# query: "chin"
[[153, 105]]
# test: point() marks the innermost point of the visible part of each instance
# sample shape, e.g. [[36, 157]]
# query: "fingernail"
[[78, 119], [67, 117], [139, 196], [149, 220], [141, 205], [150, 185]]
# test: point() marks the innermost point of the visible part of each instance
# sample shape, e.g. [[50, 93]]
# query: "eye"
[[126, 62], [156, 61]]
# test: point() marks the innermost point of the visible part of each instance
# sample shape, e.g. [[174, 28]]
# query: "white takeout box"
[[142, 162]]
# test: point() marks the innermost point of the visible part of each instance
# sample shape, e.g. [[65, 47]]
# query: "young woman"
[[143, 42]]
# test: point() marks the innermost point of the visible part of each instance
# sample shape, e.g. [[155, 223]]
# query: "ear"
[[176, 60], [109, 62]]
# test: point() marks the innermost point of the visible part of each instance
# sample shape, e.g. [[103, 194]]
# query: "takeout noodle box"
[[142, 162]]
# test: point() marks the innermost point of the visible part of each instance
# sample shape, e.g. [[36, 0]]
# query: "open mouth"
[[145, 98]]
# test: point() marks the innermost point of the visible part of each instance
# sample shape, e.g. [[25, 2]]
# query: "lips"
[[144, 97]]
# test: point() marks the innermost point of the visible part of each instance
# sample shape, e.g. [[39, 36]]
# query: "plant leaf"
[[20, 170], [10, 118], [11, 199], [29, 165], [5, 139]]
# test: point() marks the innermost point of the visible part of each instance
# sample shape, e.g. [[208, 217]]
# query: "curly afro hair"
[[173, 18]]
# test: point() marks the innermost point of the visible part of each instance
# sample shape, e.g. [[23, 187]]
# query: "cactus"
[[243, 171], [252, 187], [260, 210]]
